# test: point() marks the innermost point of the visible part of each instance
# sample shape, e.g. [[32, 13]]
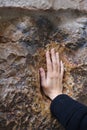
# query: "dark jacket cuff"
[[63, 108]]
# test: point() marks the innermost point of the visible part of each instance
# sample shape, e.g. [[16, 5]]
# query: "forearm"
[[69, 112]]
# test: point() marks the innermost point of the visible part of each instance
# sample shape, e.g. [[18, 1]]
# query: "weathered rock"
[[46, 4], [24, 38]]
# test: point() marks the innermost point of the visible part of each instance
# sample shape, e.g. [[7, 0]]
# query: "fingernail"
[[47, 53]]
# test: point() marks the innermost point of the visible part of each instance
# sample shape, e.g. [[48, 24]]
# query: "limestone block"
[[65, 4], [26, 32], [46, 4], [31, 4]]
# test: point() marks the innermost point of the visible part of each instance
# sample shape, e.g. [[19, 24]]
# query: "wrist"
[[53, 96]]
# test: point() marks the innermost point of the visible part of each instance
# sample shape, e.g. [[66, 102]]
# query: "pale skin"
[[51, 82]]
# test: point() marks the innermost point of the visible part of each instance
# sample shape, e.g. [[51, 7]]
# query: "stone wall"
[[46, 4], [27, 29]]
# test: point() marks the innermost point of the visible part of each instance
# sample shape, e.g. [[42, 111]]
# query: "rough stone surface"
[[24, 40], [25, 35], [46, 4]]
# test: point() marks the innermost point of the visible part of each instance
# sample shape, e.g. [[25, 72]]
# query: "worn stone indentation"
[[23, 42]]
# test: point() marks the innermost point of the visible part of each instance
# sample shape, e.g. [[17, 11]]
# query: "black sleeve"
[[70, 113]]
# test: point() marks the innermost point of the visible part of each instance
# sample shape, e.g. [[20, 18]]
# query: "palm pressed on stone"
[[51, 82]]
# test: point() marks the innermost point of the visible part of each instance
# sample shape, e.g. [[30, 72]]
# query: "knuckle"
[[50, 75], [54, 62], [49, 63], [55, 74]]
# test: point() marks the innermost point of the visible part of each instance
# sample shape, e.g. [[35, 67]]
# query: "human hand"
[[51, 82]]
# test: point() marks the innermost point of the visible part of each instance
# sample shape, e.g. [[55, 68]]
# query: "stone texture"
[[25, 35], [46, 4], [24, 40]]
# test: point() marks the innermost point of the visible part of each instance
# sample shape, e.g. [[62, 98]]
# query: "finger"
[[58, 64], [62, 69], [49, 63], [42, 77], [54, 60]]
